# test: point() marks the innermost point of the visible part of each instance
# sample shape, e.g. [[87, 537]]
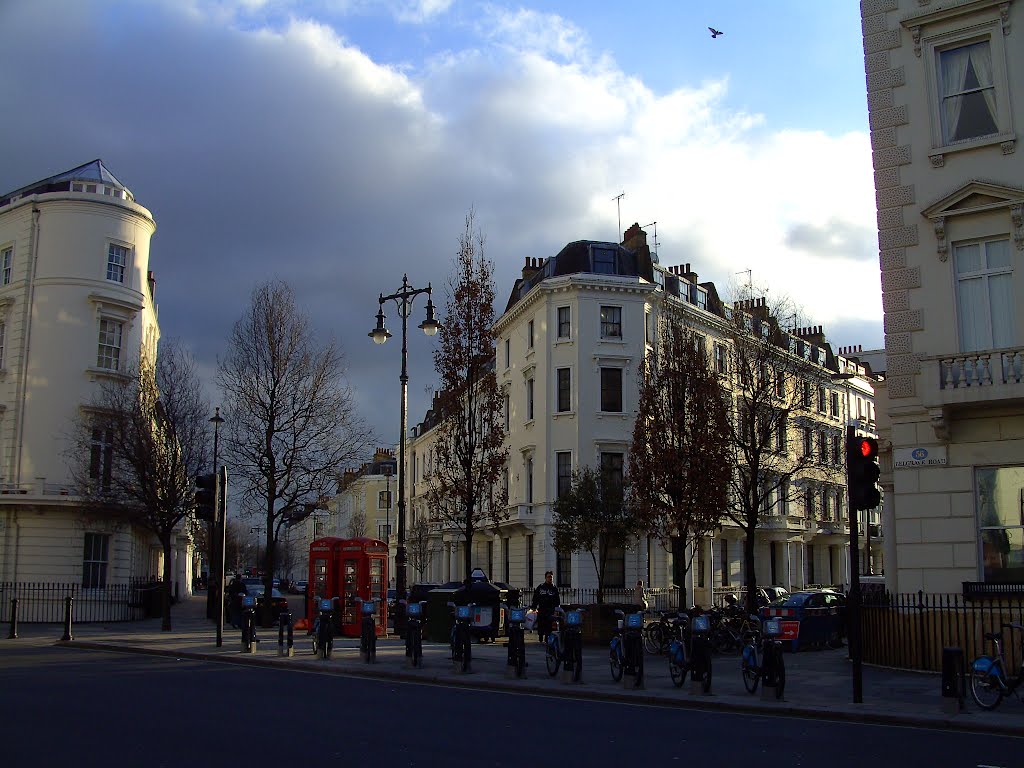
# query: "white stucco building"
[[569, 343], [945, 82], [76, 305]]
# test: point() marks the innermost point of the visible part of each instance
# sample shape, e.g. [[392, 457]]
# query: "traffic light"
[[862, 472], [206, 497]]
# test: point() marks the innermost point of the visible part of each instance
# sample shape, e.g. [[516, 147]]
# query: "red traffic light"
[[867, 447]]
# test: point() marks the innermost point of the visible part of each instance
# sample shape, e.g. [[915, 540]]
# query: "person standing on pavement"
[[545, 600], [640, 595]]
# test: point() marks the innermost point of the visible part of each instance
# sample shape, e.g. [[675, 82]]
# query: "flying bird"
[[714, 32]]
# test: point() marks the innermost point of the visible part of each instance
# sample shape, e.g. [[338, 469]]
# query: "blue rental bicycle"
[[989, 682], [626, 650]]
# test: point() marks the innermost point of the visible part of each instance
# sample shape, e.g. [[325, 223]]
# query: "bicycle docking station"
[[368, 632], [323, 631], [773, 679], [515, 668], [572, 641], [285, 623], [954, 681], [633, 673], [249, 639], [413, 627], [700, 654], [461, 640]]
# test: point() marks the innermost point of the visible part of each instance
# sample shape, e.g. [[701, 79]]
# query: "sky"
[[339, 144]]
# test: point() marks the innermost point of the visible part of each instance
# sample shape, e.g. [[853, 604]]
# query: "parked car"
[[815, 617], [391, 600], [299, 587], [418, 592], [278, 602]]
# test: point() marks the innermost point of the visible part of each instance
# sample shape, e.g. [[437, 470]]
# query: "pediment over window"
[[973, 198]]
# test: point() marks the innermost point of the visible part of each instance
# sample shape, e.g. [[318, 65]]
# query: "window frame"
[[529, 399], [120, 271], [611, 328], [999, 524], [983, 274], [95, 560], [563, 390], [563, 473], [564, 324], [529, 334], [608, 391], [103, 342], [942, 39], [7, 263]]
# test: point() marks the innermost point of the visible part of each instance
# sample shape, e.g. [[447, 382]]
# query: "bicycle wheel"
[[551, 656], [986, 689], [677, 672], [615, 662], [751, 668], [780, 676], [652, 638]]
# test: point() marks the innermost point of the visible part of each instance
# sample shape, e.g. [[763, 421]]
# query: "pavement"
[[818, 682]]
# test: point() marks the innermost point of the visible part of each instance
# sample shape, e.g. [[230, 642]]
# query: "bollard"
[[954, 680], [68, 605], [14, 620]]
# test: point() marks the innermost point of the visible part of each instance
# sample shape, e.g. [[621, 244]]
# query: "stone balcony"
[[960, 380]]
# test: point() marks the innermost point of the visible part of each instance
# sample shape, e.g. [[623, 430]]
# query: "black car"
[[817, 616]]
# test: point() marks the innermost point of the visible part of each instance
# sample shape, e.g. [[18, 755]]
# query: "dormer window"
[[604, 260]]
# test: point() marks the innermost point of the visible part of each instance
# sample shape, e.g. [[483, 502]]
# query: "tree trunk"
[[467, 554], [165, 624], [748, 570]]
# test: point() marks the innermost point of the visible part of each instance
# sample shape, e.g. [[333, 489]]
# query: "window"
[[383, 499], [506, 556], [611, 322], [564, 323], [648, 328], [823, 447], [529, 335], [529, 399], [117, 259], [615, 568], [808, 442], [383, 531], [3, 342], [1000, 523], [809, 503], [837, 451], [611, 390], [810, 564], [967, 93], [604, 260], [508, 410], [101, 454], [784, 497], [985, 304], [806, 394], [564, 396], [724, 555], [109, 355], [822, 399], [780, 384], [611, 469], [6, 257], [95, 559], [529, 479], [780, 432], [563, 569], [826, 504], [504, 482], [719, 358], [563, 469], [529, 559], [508, 353]]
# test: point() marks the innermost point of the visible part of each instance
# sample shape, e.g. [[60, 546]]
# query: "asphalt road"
[[61, 706]]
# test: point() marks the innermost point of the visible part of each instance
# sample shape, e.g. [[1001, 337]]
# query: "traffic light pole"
[[222, 526], [853, 601]]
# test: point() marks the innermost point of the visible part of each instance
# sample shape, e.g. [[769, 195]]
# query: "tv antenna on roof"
[[655, 249], [750, 280], [618, 208]]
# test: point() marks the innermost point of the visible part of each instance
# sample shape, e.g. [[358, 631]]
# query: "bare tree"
[[679, 462], [356, 526], [775, 380], [420, 548], [469, 452], [593, 517], [135, 451], [289, 414]]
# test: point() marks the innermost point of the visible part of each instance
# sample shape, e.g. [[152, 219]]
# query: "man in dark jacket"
[[545, 600]]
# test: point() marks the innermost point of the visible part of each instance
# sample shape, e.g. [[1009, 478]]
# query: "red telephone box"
[[351, 570]]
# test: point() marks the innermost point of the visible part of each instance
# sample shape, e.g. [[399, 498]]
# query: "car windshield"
[[793, 600]]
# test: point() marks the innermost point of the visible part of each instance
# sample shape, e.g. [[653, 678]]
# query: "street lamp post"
[[403, 299], [218, 530], [257, 530]]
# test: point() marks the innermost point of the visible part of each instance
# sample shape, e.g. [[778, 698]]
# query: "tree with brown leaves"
[[469, 450], [680, 462]]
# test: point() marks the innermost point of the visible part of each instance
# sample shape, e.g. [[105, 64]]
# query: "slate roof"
[[93, 172]]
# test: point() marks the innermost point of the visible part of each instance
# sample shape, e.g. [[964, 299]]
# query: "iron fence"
[[43, 603], [909, 631], [658, 598]]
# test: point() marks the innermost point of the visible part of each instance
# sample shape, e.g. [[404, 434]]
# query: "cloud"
[[269, 143]]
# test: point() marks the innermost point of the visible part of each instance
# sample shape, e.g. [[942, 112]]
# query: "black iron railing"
[[43, 603], [909, 631], [658, 598]]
